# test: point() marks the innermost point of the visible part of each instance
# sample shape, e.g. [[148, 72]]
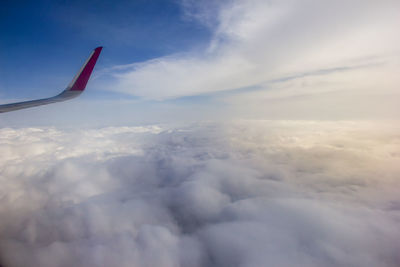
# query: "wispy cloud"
[[257, 41]]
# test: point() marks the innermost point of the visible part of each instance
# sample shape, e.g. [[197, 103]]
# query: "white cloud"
[[258, 42], [247, 193]]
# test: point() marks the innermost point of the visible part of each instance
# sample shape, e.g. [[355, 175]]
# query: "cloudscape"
[[211, 133], [253, 193]]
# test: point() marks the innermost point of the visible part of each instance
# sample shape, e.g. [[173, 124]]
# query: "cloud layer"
[[248, 193]]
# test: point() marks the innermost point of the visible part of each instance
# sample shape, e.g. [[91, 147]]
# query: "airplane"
[[74, 89]]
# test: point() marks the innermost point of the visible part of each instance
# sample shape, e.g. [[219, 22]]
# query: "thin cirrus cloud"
[[257, 43], [248, 193]]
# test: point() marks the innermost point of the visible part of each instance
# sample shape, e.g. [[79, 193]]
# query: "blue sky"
[[44, 42], [166, 61]]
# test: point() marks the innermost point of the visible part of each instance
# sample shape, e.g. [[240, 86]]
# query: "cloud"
[[255, 43], [246, 193]]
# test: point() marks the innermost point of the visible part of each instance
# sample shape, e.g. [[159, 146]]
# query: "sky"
[[186, 60], [211, 133]]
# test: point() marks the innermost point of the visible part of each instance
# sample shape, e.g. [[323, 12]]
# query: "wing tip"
[[81, 79]]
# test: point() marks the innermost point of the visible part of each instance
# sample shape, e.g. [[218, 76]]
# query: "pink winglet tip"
[[84, 75]]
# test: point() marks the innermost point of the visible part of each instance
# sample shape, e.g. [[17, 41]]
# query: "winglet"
[[80, 80]]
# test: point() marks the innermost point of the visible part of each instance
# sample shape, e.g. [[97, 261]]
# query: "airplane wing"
[[74, 89]]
